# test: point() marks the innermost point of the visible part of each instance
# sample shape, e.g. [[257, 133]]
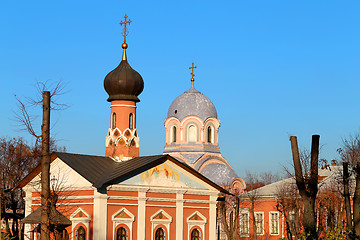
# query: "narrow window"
[[160, 234], [274, 223], [173, 134], [113, 121], [244, 223], [195, 234], [192, 133], [121, 234], [210, 134], [81, 233], [259, 223], [131, 121]]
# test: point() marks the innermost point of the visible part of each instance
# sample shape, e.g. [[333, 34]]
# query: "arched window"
[[113, 121], [121, 234], [210, 135], [173, 134], [131, 121], [81, 233], [160, 234], [192, 133], [195, 234]]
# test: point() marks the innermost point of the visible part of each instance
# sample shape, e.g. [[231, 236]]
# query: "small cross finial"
[[125, 31], [192, 74]]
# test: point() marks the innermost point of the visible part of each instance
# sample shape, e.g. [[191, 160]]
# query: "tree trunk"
[[307, 192], [45, 168], [0, 214], [356, 200], [349, 222], [253, 217]]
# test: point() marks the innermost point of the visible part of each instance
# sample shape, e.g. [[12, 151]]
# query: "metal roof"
[[56, 217], [103, 171]]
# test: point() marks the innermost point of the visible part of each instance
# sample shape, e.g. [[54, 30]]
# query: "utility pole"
[[45, 168]]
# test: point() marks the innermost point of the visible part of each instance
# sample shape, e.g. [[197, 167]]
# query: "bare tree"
[[350, 157], [25, 119], [307, 184]]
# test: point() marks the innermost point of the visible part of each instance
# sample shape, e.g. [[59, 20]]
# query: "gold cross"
[[192, 73], [125, 31]]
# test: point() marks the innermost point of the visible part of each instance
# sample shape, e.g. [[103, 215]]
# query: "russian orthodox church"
[[124, 196]]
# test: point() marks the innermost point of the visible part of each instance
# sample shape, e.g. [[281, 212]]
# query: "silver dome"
[[192, 103], [220, 174]]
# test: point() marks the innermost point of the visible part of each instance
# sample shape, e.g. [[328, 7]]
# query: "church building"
[[122, 195]]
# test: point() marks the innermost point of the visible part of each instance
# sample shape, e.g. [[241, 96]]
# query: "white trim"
[[197, 223], [212, 218], [76, 220], [278, 223], [179, 215], [244, 211], [141, 214], [263, 226], [28, 202], [100, 215], [66, 204], [126, 221], [122, 105], [155, 222]]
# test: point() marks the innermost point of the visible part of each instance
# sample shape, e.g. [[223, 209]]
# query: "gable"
[[63, 177], [167, 174]]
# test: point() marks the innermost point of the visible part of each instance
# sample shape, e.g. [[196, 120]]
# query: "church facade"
[[124, 196]]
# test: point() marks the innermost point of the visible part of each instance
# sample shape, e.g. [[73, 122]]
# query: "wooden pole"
[[45, 168]]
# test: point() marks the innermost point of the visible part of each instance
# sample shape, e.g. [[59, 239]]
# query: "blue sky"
[[272, 69]]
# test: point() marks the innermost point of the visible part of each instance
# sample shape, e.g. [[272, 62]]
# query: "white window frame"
[[278, 223], [262, 223], [128, 221], [244, 211], [84, 220], [200, 223], [166, 222]]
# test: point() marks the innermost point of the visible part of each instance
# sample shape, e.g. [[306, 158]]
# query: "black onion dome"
[[123, 83]]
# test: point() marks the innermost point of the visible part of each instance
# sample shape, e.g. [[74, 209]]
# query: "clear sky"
[[272, 69]]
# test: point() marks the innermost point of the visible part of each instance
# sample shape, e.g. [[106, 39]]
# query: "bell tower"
[[124, 85]]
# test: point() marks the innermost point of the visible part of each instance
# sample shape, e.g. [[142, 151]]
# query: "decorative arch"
[[80, 218], [160, 219], [123, 218], [196, 221], [195, 234], [121, 233]]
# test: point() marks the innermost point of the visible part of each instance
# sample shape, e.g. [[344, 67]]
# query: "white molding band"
[[122, 105]]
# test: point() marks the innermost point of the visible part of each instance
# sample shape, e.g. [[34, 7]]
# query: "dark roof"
[[102, 171], [56, 217]]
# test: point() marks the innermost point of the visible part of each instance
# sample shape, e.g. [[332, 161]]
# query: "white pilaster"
[[179, 215], [141, 214], [212, 217], [28, 202], [100, 215]]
